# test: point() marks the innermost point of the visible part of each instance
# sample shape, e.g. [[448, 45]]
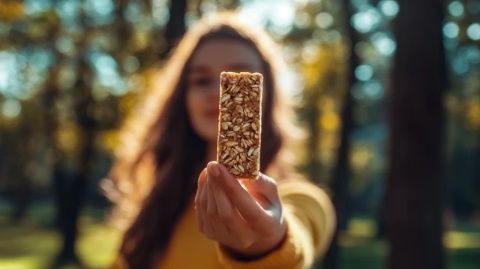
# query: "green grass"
[[33, 244], [360, 248], [371, 254]]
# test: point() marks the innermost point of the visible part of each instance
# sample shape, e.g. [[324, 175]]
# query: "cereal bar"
[[239, 125]]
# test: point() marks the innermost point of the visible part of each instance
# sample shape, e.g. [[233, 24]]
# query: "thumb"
[[264, 186]]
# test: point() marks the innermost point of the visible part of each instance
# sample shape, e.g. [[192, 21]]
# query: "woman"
[[180, 216]]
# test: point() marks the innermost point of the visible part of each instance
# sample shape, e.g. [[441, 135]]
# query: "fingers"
[[264, 187], [199, 197], [216, 216], [200, 185], [246, 204], [229, 212], [263, 184], [205, 206], [224, 206], [211, 201], [226, 212]]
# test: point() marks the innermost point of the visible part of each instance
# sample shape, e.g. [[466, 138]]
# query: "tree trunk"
[[61, 182], [415, 189], [175, 27], [73, 199], [342, 171], [72, 193], [21, 183], [50, 98], [21, 197], [311, 114]]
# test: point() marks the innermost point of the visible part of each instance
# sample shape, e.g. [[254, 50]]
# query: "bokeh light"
[[456, 9], [160, 12], [364, 72], [11, 108], [460, 64], [107, 73], [324, 20], [473, 31], [370, 90], [9, 77], [383, 43], [52, 39], [389, 8], [37, 6], [366, 21], [260, 12], [100, 11], [68, 11], [450, 30], [472, 53]]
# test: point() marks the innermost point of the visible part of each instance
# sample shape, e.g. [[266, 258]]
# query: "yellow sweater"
[[310, 221]]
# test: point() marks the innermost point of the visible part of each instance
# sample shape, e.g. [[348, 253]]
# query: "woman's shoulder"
[[308, 206]]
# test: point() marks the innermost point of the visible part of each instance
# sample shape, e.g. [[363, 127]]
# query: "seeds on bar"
[[239, 125]]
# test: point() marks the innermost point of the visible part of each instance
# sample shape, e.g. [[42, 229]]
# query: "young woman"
[[184, 210]]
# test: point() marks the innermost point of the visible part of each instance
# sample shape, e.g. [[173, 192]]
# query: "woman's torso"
[[189, 248]]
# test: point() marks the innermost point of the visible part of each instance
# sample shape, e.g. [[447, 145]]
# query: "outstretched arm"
[[245, 217], [259, 224]]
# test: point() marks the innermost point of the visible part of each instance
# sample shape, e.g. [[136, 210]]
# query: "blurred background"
[[377, 85]]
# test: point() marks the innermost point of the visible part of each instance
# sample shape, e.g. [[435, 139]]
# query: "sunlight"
[[37, 6], [324, 20], [364, 72], [23, 262], [384, 44], [473, 31], [450, 30], [456, 8], [7, 70], [366, 21], [11, 108], [107, 73], [260, 12], [457, 240], [389, 8]]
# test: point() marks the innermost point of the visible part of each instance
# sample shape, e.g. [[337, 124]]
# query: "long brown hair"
[[154, 176]]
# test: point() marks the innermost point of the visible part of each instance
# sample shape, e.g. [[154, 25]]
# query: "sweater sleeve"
[[118, 263], [310, 222]]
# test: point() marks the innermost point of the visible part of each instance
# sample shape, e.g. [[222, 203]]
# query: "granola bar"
[[239, 125]]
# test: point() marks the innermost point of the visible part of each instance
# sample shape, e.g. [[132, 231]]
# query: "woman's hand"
[[244, 216]]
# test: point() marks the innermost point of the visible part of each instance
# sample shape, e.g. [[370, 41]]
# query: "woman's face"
[[203, 80]]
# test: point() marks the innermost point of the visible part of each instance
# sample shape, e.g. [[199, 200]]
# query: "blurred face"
[[203, 80]]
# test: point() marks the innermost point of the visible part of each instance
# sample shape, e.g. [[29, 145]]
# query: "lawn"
[[33, 244]]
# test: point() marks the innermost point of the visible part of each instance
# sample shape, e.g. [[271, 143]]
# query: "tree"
[[175, 27], [415, 189], [341, 170]]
